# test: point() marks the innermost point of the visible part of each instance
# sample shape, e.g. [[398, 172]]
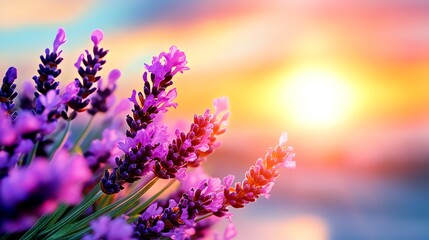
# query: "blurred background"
[[348, 80]]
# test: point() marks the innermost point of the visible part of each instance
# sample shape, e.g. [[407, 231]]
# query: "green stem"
[[39, 225], [58, 144], [203, 217], [82, 136], [144, 205], [76, 211], [104, 201], [57, 215], [114, 209], [29, 157]]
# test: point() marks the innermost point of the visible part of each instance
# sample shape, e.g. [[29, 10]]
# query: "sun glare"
[[317, 98]]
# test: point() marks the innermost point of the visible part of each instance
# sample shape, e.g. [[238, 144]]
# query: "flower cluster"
[[59, 182]]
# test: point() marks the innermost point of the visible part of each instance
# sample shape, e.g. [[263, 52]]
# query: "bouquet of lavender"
[[53, 186]]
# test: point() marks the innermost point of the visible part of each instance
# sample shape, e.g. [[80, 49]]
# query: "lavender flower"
[[16, 137], [104, 99], [175, 220], [103, 151], [148, 144], [154, 98], [7, 90], [109, 229], [191, 149], [48, 70], [260, 178], [92, 64], [29, 192]]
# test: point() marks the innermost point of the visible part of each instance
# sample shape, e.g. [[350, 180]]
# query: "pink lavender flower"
[[260, 178], [109, 229], [219, 121], [29, 192]]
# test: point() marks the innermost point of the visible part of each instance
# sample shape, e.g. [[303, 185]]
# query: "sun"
[[317, 98]]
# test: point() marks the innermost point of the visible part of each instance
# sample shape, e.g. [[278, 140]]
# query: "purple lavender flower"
[[16, 137], [166, 65], [8, 135], [154, 98], [143, 151], [175, 220], [109, 229], [103, 98], [157, 223], [49, 70], [7, 90], [92, 64], [206, 198], [103, 151], [31, 191], [148, 144]]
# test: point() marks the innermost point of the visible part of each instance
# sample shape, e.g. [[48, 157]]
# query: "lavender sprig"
[[92, 64], [7, 91], [49, 70]]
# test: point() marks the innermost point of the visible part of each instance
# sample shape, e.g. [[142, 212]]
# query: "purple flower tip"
[[79, 61], [59, 39], [114, 75], [11, 75], [97, 36]]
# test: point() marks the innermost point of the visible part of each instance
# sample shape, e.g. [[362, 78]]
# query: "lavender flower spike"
[[7, 90], [259, 180], [49, 70], [104, 98]]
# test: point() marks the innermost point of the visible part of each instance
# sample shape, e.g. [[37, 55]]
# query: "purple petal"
[[59, 39], [114, 75], [79, 61], [97, 36]]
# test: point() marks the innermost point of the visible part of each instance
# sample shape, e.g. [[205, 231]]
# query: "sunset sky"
[[348, 80]]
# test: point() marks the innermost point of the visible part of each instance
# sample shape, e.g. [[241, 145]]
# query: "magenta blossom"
[[109, 229], [97, 36], [40, 187], [167, 63]]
